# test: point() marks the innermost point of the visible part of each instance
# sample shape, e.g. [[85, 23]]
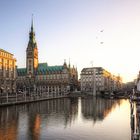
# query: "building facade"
[[137, 83], [7, 72], [40, 77], [99, 79]]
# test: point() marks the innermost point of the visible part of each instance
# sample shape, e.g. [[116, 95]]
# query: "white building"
[[98, 79]]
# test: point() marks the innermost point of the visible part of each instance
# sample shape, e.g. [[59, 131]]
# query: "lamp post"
[[93, 79], [7, 94], [1, 92], [94, 82], [25, 93], [2, 89], [30, 96]]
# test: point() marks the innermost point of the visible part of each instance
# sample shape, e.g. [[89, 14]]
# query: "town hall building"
[[40, 77]]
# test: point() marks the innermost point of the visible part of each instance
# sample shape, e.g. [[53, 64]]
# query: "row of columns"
[[51, 88]]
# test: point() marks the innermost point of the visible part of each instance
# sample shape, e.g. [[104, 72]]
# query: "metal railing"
[[24, 97]]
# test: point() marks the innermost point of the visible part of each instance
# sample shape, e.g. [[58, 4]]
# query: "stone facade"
[[40, 77], [7, 72], [99, 78]]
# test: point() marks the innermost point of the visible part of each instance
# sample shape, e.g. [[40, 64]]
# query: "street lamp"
[[30, 86], [7, 94], [94, 79], [25, 92], [94, 82]]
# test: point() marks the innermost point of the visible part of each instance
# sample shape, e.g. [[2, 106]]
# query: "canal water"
[[87, 118]]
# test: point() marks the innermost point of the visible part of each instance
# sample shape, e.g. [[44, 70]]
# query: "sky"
[[104, 33]]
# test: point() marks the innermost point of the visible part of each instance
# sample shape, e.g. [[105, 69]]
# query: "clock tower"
[[31, 54]]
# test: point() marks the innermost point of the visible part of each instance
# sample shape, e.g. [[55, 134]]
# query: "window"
[[30, 65], [50, 76], [44, 77]]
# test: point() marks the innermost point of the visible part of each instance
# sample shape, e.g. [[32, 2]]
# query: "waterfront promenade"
[[23, 98]]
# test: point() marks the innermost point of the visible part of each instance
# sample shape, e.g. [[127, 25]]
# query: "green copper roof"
[[21, 72], [42, 69], [55, 68], [42, 66]]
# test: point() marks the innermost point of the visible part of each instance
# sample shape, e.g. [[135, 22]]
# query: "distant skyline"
[[104, 32]]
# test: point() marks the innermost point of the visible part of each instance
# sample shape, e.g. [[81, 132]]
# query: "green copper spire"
[[32, 34], [32, 42], [32, 28]]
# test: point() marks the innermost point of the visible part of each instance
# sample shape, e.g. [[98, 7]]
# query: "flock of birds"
[[101, 42]]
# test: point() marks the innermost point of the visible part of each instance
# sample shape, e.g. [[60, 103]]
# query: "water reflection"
[[53, 113], [50, 119], [24, 121], [97, 109], [8, 123]]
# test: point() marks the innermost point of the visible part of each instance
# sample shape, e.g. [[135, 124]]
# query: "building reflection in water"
[[8, 123], [31, 121], [97, 109], [26, 121], [52, 113]]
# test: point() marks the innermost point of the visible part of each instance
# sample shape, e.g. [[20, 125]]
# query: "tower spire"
[[32, 34], [31, 52], [32, 28]]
